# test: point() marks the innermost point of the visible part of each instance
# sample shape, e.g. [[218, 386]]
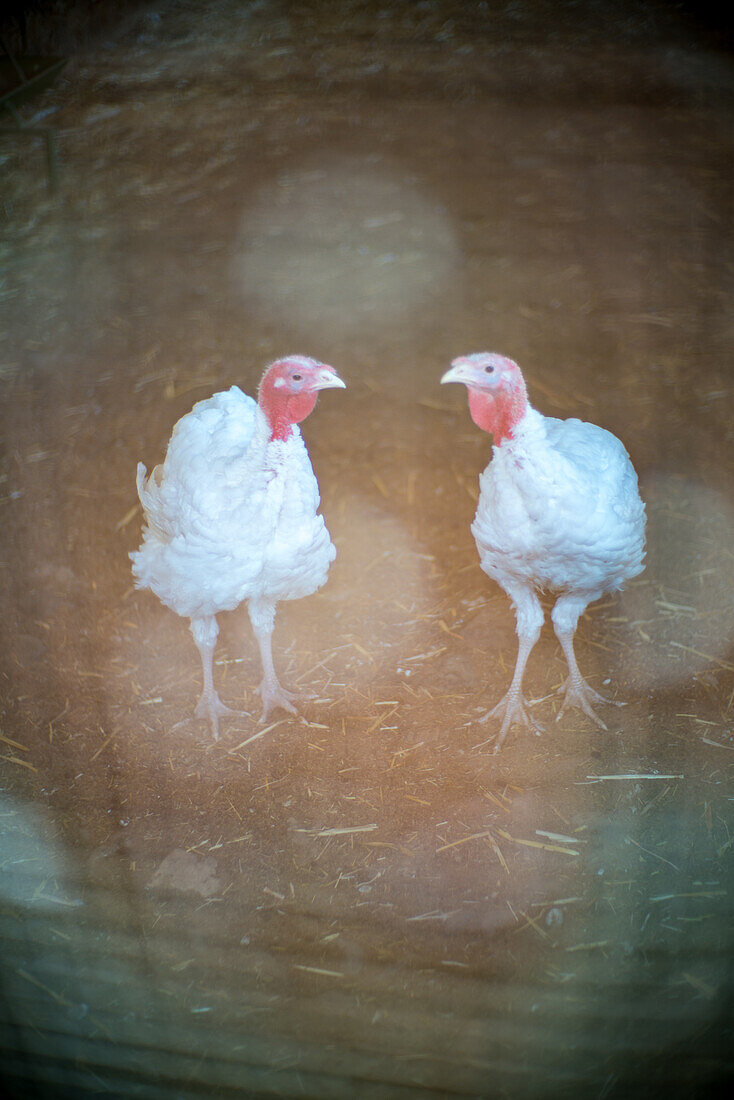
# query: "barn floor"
[[364, 901]]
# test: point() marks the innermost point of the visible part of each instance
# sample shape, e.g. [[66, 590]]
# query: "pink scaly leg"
[[262, 617], [512, 707], [577, 692], [210, 706], [565, 617]]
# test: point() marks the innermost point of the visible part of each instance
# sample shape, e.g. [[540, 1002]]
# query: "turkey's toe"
[[580, 695], [273, 695], [512, 710], [211, 709]]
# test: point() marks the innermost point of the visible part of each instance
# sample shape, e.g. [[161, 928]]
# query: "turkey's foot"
[[211, 708], [273, 695], [579, 694], [512, 709]]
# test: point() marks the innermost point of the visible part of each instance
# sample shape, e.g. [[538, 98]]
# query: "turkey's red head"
[[289, 389], [498, 398]]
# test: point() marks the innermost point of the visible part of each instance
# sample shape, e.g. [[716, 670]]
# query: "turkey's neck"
[[283, 412], [499, 413]]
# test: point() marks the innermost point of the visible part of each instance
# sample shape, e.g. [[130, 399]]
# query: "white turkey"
[[232, 515], [559, 510]]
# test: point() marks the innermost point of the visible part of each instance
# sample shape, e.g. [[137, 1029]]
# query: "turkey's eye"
[[489, 369], [297, 377]]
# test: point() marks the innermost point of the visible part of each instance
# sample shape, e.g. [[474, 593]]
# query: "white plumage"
[[232, 515], [558, 510]]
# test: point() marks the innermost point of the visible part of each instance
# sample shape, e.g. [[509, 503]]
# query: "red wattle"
[[497, 413], [284, 411]]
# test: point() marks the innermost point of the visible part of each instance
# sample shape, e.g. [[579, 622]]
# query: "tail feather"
[[149, 495]]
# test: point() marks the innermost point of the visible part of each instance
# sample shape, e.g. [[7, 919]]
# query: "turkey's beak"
[[327, 379], [458, 372]]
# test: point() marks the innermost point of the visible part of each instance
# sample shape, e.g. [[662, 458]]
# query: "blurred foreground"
[[365, 901]]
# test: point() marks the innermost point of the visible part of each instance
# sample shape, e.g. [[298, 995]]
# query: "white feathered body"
[[231, 514], [559, 509]]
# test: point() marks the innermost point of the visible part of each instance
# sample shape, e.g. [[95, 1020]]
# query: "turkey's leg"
[[210, 706], [511, 708], [565, 617], [262, 617]]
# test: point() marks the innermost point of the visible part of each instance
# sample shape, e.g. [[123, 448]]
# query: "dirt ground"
[[364, 901]]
